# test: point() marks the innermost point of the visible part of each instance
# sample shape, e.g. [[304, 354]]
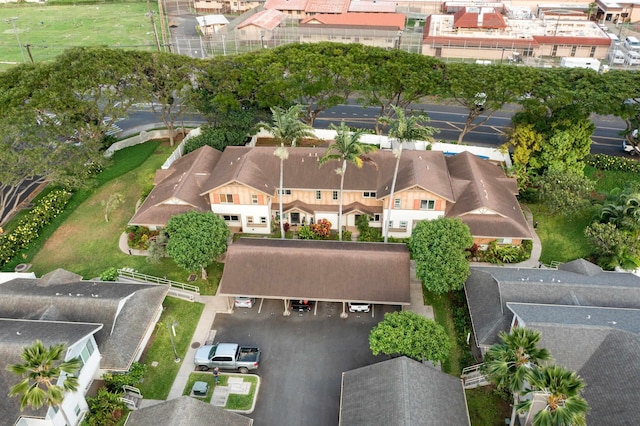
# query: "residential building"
[[589, 320], [185, 411], [78, 337], [242, 187], [261, 26], [402, 392]]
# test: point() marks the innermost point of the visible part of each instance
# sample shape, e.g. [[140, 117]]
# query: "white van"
[[632, 58], [616, 57], [614, 39], [630, 42]]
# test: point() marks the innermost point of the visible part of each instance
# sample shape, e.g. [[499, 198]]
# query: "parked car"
[[244, 302], [359, 307], [301, 305], [227, 356]]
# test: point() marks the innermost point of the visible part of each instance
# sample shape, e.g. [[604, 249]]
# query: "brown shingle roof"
[[178, 188], [317, 270], [486, 200]]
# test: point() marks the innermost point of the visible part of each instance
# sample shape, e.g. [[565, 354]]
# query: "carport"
[[330, 271]]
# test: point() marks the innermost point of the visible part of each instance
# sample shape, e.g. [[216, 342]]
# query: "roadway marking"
[[261, 302], [497, 130]]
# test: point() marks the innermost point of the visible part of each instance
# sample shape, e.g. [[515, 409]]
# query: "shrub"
[[133, 377], [346, 235], [110, 274], [105, 409], [139, 237], [608, 162], [28, 229]]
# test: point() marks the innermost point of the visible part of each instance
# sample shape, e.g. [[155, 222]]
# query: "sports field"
[[51, 29]]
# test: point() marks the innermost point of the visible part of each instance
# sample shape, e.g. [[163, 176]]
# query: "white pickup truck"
[[227, 356], [630, 149]]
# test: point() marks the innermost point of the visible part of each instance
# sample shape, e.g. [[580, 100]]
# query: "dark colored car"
[[301, 305]]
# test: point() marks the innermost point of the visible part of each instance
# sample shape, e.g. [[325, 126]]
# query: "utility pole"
[[28, 46], [15, 31]]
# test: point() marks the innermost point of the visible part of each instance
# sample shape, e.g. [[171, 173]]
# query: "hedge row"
[[611, 163], [29, 227]]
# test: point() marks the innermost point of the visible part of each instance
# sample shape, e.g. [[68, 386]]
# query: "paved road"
[[303, 357]]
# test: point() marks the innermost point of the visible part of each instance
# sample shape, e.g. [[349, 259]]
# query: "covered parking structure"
[[330, 271]]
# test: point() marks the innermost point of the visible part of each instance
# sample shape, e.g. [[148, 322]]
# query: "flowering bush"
[[139, 237], [29, 227], [608, 162]]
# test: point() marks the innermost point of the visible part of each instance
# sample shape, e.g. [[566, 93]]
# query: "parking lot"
[[303, 357]]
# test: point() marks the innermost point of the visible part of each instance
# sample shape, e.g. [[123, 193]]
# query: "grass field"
[[49, 30]]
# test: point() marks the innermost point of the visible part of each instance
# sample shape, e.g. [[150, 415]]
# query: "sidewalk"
[[212, 305]]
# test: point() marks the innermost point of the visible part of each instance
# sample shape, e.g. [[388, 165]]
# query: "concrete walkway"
[[212, 305], [123, 244]]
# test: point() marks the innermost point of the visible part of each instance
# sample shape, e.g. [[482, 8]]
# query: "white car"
[[244, 302], [359, 307]]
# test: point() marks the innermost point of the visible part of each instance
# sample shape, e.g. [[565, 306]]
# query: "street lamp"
[[262, 39], [172, 332], [502, 56], [15, 31]]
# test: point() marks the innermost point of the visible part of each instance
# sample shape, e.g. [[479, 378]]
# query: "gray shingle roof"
[[402, 392], [185, 411], [14, 336], [126, 310], [488, 289], [178, 188], [317, 270]]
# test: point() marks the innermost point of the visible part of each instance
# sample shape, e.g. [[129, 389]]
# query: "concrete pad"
[[240, 388], [220, 396]]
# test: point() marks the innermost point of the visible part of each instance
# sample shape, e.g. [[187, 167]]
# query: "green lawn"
[[486, 408], [50, 29], [235, 401], [443, 313], [158, 380], [81, 241]]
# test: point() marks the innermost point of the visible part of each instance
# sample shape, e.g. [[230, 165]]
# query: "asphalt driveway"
[[303, 357]]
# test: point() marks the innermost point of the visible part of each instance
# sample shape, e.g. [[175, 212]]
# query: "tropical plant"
[[559, 389], [282, 153], [46, 376], [286, 126], [105, 409], [404, 129], [507, 363], [346, 148]]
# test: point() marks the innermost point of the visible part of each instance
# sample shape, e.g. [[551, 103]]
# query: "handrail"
[[471, 369], [128, 272]]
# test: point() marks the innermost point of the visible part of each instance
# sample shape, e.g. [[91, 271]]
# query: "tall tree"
[[559, 389], [439, 248], [409, 334], [167, 82], [196, 240], [485, 89], [41, 371], [404, 129], [286, 126], [346, 148], [282, 153], [508, 362]]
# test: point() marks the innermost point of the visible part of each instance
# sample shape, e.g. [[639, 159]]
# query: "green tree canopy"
[[40, 371], [409, 334], [196, 240], [565, 192], [507, 363], [560, 390], [286, 126], [439, 249]]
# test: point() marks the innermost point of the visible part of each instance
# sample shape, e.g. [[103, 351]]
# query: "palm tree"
[[282, 153], [286, 126], [347, 149], [559, 389], [404, 129], [508, 363], [40, 372]]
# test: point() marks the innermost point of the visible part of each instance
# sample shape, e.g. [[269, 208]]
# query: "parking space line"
[[261, 302], [373, 310]]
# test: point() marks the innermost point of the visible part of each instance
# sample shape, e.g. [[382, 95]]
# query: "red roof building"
[[379, 21]]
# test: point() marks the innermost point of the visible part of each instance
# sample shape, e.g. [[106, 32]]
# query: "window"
[[374, 218], [593, 52], [368, 194], [77, 410], [554, 51], [230, 217], [573, 50], [427, 204], [318, 195], [263, 220], [396, 203], [284, 192], [249, 220], [85, 354], [226, 198], [403, 224], [334, 195], [254, 199], [390, 225]]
